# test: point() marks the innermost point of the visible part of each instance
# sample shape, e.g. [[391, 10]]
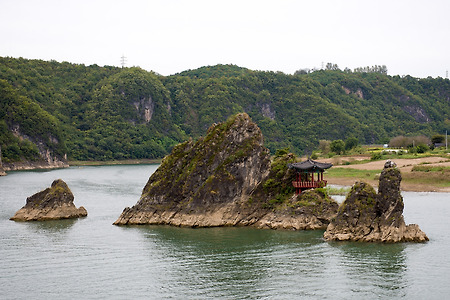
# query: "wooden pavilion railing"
[[304, 185], [309, 184]]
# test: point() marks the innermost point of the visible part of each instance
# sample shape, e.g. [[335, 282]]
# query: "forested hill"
[[102, 113]]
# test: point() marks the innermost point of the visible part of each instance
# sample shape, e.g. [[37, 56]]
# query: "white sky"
[[169, 36]]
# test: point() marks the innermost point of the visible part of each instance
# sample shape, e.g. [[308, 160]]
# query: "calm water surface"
[[91, 259]]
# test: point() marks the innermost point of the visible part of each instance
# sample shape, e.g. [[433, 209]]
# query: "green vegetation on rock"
[[227, 178], [204, 170]]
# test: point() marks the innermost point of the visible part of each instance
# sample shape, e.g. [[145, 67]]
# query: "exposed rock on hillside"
[[371, 217], [225, 179], [47, 159], [52, 203], [2, 172]]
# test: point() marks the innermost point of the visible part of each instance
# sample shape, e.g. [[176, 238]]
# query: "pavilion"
[[305, 175]]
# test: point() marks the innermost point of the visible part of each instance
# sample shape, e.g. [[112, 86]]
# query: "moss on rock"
[[374, 217], [223, 179]]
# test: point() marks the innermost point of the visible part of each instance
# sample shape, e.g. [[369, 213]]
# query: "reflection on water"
[[230, 262], [50, 227], [55, 230], [258, 262], [89, 258], [374, 269]]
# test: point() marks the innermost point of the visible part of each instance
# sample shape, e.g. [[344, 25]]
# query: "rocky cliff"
[[226, 179], [53, 203], [374, 217], [45, 159], [35, 165], [2, 172]]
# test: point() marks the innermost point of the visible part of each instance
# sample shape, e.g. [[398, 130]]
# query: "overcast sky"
[[169, 36]]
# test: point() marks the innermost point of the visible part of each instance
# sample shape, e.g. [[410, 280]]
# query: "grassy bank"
[[431, 175], [353, 173]]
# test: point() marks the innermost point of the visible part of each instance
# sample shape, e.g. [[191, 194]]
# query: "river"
[[90, 258]]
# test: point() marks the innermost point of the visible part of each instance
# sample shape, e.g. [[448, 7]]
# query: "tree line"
[[104, 113]]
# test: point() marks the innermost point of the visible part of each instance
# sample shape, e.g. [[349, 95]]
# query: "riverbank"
[[425, 174], [39, 165], [33, 165], [346, 174], [342, 173], [405, 186], [115, 162]]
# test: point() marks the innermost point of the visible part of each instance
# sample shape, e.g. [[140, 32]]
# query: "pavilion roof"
[[310, 165]]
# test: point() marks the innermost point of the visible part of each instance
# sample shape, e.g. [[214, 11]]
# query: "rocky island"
[[374, 217], [228, 179], [53, 203]]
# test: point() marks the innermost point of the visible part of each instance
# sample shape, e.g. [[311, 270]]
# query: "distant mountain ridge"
[[102, 113]]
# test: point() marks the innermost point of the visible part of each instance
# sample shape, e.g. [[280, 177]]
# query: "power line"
[[123, 60]]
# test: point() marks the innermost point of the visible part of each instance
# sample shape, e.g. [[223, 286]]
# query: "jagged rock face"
[[48, 158], [2, 172], [210, 176], [53, 203], [212, 182], [390, 201], [371, 217], [145, 107]]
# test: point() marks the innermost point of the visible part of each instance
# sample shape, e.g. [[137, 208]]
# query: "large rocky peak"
[[226, 179], [375, 217], [53, 203], [204, 175], [224, 165]]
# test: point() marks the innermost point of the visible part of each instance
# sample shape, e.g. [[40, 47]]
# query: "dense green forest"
[[104, 113]]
